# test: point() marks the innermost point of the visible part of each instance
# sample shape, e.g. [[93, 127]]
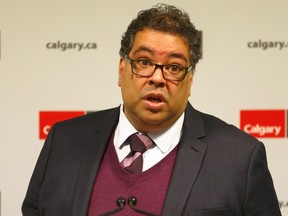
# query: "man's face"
[[153, 103]]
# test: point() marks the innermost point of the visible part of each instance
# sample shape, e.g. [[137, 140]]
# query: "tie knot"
[[140, 142]]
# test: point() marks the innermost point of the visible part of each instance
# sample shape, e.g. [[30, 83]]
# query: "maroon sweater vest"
[[112, 181]]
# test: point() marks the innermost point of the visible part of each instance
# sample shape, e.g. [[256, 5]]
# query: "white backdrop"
[[33, 77]]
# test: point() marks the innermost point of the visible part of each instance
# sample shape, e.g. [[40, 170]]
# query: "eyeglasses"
[[146, 68]]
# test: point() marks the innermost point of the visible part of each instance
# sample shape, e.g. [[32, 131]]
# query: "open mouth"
[[154, 99]]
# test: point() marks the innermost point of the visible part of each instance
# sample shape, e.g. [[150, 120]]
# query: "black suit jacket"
[[219, 170]]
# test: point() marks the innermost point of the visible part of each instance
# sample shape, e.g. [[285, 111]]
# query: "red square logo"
[[263, 123], [48, 118]]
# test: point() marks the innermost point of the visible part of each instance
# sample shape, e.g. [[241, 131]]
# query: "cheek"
[[181, 93], [125, 81], [128, 86]]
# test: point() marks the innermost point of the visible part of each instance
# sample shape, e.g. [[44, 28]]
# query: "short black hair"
[[165, 18]]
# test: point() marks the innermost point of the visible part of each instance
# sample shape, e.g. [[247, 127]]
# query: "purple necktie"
[[139, 143]]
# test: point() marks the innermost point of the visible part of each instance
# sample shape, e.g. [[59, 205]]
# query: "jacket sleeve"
[[30, 205], [261, 199]]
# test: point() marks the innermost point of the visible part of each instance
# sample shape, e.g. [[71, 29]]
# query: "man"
[[195, 163]]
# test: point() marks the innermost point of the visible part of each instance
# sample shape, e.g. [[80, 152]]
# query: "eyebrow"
[[174, 55], [143, 48]]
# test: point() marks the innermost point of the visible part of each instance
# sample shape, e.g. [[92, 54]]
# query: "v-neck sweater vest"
[[112, 181]]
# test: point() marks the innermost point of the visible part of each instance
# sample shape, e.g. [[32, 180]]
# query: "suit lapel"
[[92, 156], [188, 163]]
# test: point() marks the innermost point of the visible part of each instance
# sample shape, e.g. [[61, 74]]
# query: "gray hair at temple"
[[165, 18]]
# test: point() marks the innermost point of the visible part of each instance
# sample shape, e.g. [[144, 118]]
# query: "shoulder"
[[225, 142], [82, 125], [218, 128], [93, 118], [216, 132]]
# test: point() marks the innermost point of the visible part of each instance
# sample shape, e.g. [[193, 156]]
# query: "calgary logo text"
[[64, 46], [264, 123]]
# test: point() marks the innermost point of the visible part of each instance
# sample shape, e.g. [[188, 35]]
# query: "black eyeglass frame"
[[187, 69]]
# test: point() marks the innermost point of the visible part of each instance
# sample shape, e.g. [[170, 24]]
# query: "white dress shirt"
[[165, 140]]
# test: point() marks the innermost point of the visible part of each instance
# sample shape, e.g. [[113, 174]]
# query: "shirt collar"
[[165, 139], [124, 129]]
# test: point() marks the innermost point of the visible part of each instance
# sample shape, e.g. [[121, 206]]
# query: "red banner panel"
[[48, 118], [263, 123]]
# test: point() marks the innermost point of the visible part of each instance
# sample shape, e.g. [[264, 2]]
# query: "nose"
[[157, 77]]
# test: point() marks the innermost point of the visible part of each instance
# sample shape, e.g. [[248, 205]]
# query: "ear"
[[120, 70], [191, 82]]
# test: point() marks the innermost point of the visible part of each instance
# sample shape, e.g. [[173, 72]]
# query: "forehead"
[[160, 43]]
